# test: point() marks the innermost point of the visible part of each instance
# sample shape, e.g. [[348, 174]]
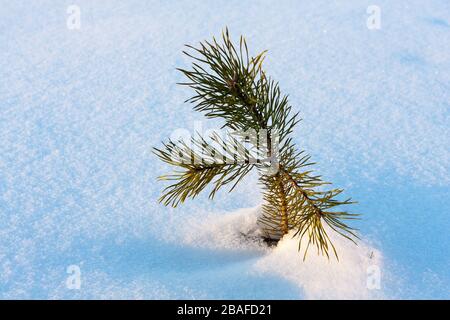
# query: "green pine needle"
[[231, 85]]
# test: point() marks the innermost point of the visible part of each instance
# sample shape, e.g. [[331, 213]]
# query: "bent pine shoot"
[[231, 85]]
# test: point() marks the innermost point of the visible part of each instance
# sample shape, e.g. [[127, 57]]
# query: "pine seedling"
[[231, 85]]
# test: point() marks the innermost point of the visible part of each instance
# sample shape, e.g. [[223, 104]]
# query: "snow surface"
[[81, 109]]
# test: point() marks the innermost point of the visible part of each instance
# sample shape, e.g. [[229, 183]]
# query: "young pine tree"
[[231, 85]]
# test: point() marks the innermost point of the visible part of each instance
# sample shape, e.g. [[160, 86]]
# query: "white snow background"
[[80, 111]]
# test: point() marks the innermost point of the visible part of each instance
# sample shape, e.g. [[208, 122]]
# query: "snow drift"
[[357, 274]]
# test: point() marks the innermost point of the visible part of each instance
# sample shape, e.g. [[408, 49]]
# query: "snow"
[[357, 274], [81, 109]]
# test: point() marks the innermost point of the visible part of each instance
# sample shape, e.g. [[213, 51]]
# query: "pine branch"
[[218, 162], [226, 86], [309, 209], [231, 85]]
